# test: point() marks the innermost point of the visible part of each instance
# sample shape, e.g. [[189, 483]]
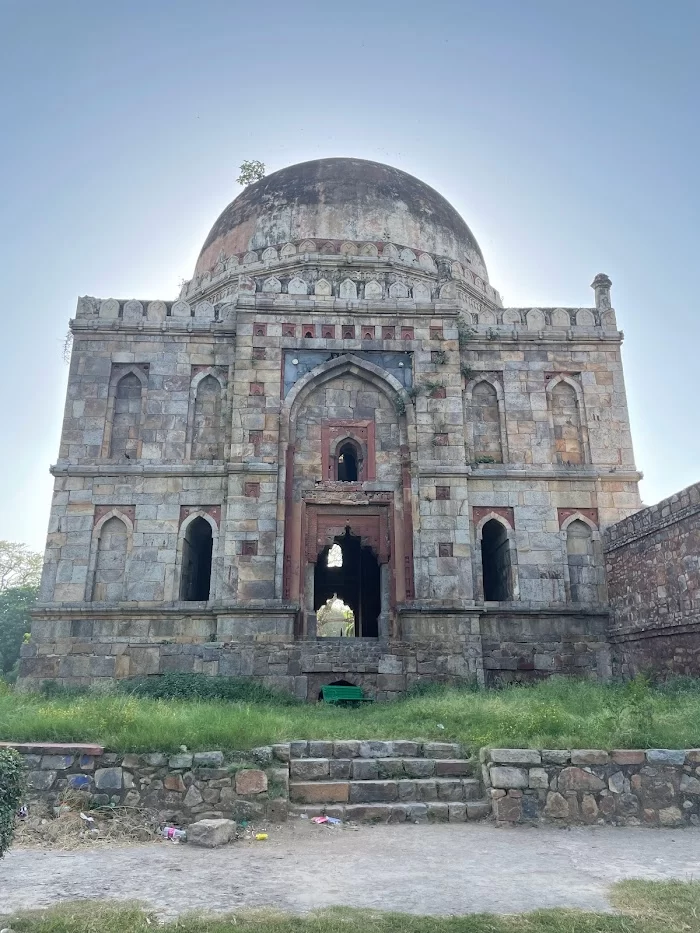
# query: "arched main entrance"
[[350, 572]]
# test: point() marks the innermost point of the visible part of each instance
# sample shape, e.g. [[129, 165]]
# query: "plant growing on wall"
[[439, 357], [465, 332], [466, 371], [432, 386]]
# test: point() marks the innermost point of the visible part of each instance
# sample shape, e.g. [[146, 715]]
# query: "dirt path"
[[443, 869]]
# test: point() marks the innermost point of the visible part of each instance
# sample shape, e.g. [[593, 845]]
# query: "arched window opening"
[[355, 585], [195, 579], [495, 561], [580, 556], [110, 566], [127, 417], [348, 465], [335, 556], [335, 619], [568, 445], [486, 424], [206, 428]]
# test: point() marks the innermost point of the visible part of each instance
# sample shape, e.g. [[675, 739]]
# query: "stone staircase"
[[387, 782]]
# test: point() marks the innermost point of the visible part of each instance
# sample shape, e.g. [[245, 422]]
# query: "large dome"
[[339, 200]]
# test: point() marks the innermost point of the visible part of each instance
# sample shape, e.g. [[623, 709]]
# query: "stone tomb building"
[[337, 411]]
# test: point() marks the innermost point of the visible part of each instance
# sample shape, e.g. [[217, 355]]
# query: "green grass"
[[557, 713], [644, 907]]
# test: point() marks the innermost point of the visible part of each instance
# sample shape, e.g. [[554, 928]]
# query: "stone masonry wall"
[[656, 787], [653, 573], [180, 787]]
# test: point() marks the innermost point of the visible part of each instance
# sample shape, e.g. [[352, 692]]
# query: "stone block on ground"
[[211, 833]]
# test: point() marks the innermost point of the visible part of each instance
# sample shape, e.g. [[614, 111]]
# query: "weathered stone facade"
[[338, 372], [653, 570]]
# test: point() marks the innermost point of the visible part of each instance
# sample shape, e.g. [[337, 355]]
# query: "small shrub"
[[11, 789], [484, 459], [440, 357], [53, 690], [413, 392], [465, 332], [180, 686], [467, 372]]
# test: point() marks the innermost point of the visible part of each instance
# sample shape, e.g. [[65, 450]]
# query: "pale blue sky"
[[567, 135]]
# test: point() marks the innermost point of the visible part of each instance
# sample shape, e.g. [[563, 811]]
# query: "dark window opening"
[[195, 581], [495, 561], [356, 582], [348, 465]]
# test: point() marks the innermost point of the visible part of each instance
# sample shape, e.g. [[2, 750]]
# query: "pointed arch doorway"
[[348, 568], [349, 572]]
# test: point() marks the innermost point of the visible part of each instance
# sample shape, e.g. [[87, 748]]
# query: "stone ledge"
[[54, 748]]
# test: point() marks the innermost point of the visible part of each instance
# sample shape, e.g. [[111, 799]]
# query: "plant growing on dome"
[[251, 171]]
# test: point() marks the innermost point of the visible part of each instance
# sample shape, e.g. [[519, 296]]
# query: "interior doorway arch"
[[351, 572]]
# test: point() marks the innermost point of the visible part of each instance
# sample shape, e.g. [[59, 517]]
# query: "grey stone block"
[[41, 780], [211, 833], [515, 756], [365, 770], [441, 750], [320, 749], [375, 749], [182, 762], [419, 767], [309, 769], [504, 777], [417, 813], [340, 769], [108, 779], [373, 791], [208, 759], [346, 749], [668, 756], [57, 762]]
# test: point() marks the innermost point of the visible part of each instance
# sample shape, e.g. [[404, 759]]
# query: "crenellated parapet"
[[345, 269]]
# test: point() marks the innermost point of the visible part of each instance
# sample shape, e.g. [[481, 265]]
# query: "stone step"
[[354, 748], [377, 769], [430, 812], [403, 790]]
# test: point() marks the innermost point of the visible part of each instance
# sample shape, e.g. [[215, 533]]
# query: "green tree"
[[11, 790], [15, 605], [251, 171], [20, 570], [18, 565]]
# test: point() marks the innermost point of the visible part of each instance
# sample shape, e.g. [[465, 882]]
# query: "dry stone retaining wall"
[[180, 787], [628, 787]]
